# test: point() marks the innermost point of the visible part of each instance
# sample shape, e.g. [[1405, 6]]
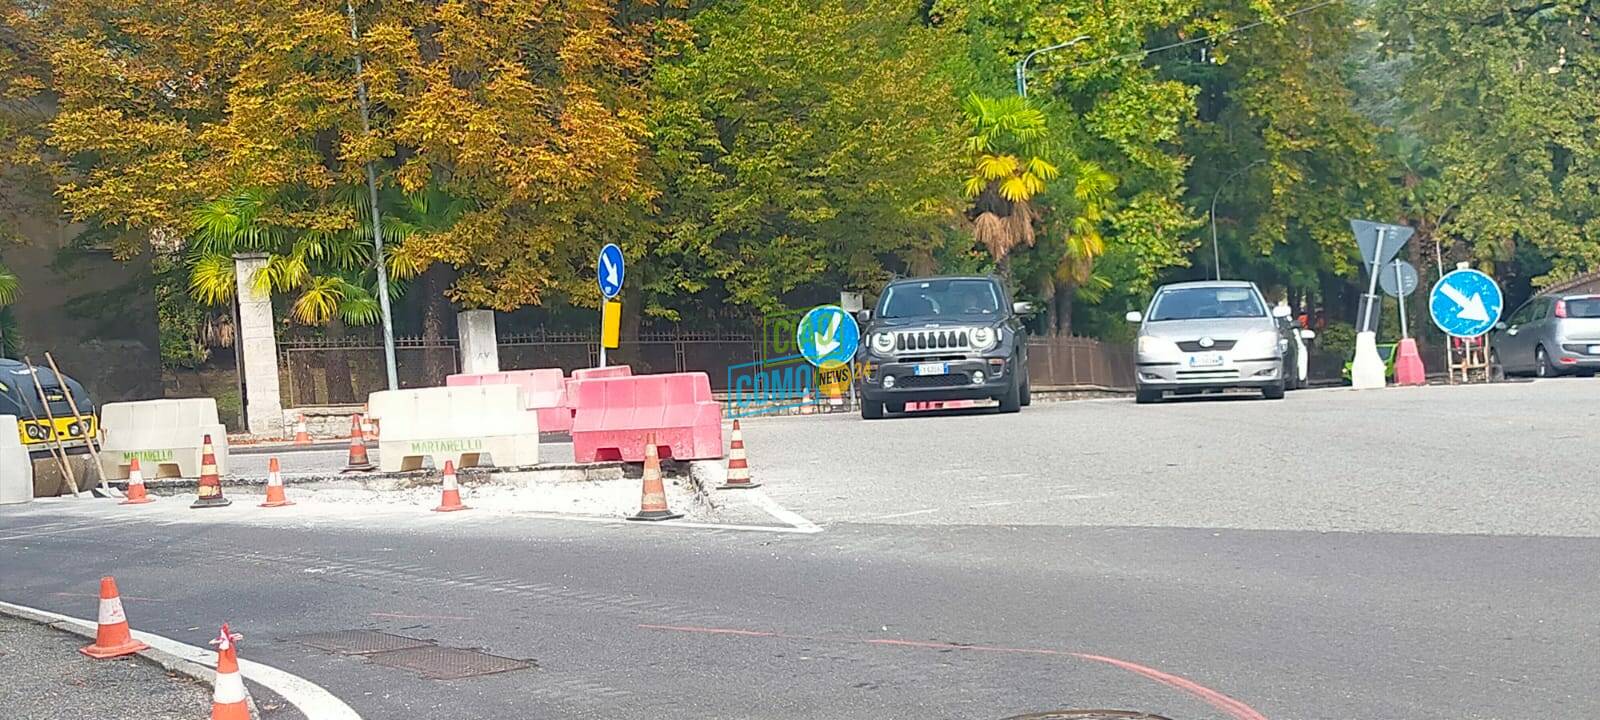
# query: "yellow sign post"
[[610, 324]]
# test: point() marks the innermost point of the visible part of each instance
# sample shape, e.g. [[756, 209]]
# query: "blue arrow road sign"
[[609, 270], [827, 336], [1466, 303]]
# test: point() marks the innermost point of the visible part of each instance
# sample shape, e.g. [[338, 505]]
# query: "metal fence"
[[339, 372], [1079, 362]]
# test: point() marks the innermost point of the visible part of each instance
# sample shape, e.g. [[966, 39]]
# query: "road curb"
[[161, 658]]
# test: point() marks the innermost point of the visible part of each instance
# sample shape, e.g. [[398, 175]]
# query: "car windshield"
[[940, 298], [1205, 303], [1585, 307]]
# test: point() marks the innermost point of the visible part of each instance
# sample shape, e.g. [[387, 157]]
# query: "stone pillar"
[[480, 348], [258, 349]]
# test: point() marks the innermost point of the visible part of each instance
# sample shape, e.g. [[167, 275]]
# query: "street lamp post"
[[1022, 65], [1216, 255]]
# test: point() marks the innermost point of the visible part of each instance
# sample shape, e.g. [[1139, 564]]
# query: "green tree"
[[10, 290], [1501, 97], [801, 143]]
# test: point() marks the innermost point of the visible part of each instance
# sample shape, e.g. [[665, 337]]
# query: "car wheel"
[[1027, 390], [1012, 401], [1541, 363], [1273, 392], [895, 407], [871, 409], [1144, 396]]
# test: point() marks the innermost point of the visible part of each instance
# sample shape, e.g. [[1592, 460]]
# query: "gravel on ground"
[[46, 678]]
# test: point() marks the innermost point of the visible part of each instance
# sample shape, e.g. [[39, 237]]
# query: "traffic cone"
[[112, 638], [357, 461], [136, 493], [301, 437], [450, 499], [653, 500], [210, 484], [275, 496], [369, 428], [229, 701], [805, 404], [738, 469]]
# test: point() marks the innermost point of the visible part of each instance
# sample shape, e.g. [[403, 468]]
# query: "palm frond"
[[359, 306], [319, 300], [10, 286], [995, 167], [211, 279]]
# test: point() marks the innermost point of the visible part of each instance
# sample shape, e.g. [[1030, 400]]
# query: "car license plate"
[[931, 369], [1205, 360]]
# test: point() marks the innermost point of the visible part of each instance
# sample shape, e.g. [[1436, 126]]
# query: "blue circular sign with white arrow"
[[827, 336], [609, 270], [1466, 303]]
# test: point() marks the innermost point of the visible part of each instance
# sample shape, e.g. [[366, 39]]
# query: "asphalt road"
[[1427, 553]]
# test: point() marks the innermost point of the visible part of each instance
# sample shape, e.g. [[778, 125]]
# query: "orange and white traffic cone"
[[369, 428], [301, 437], [275, 496], [112, 638], [136, 492], [357, 460], [210, 484], [653, 498], [229, 701], [450, 499], [738, 468], [806, 404]]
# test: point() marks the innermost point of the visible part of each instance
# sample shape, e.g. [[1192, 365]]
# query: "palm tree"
[[10, 289], [1008, 142], [1093, 191], [327, 273]]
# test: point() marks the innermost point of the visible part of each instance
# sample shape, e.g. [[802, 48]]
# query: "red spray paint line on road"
[[1234, 708]]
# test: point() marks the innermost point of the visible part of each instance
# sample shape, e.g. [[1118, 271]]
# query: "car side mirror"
[[1308, 334], [1134, 316], [1021, 308], [1500, 326], [1280, 311], [863, 316]]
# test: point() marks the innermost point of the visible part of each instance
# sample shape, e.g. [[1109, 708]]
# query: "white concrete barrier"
[[16, 469], [166, 436], [470, 425]]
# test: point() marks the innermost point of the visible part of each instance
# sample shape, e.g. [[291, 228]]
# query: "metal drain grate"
[[358, 642], [1088, 715], [444, 663]]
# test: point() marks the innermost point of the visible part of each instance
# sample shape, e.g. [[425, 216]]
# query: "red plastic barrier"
[[544, 391], [582, 374], [615, 415]]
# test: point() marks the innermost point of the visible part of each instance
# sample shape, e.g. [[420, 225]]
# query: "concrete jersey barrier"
[[16, 468], [166, 436], [544, 392], [616, 415], [467, 425]]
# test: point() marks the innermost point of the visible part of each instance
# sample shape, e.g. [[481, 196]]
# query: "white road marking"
[[76, 527], [904, 514], [764, 501], [310, 698]]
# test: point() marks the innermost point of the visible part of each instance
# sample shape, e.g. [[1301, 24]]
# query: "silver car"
[[1549, 336], [1202, 336]]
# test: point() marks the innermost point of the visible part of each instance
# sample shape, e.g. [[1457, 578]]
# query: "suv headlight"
[[984, 338], [1152, 345], [883, 343]]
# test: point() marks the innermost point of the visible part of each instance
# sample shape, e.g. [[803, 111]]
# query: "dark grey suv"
[[943, 338]]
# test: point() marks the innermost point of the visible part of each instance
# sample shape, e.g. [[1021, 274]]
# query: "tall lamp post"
[[1022, 65], [1216, 255], [377, 218]]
